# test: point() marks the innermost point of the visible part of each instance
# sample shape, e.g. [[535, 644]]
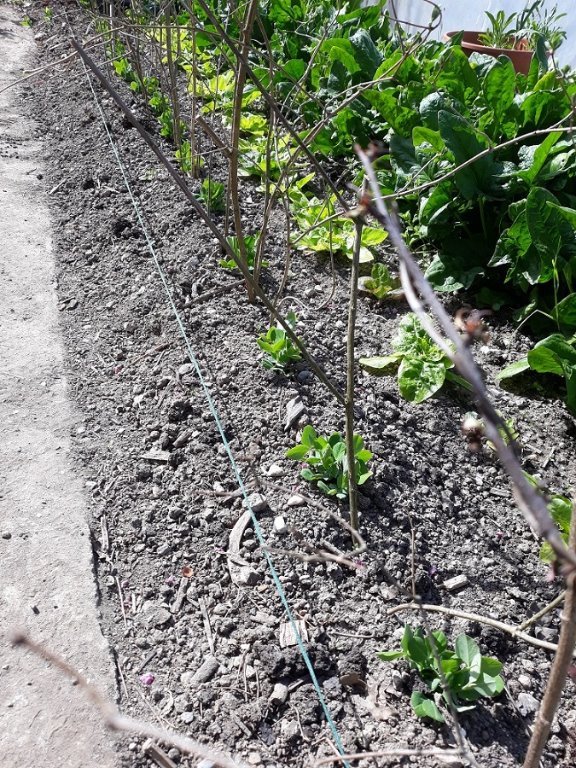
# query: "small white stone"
[[256, 501], [279, 695], [525, 681], [280, 525], [455, 583], [296, 500], [275, 470]]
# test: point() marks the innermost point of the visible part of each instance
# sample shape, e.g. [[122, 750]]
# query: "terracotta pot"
[[521, 59]]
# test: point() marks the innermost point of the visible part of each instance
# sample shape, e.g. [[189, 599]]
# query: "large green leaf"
[[419, 379], [425, 707], [367, 56], [465, 143], [499, 87]]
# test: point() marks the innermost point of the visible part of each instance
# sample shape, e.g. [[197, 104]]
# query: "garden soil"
[[189, 604]]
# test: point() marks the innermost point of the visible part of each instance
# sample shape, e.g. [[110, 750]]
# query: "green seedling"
[[466, 675], [250, 249], [421, 365], [279, 349], [560, 508], [328, 462], [212, 194], [380, 283], [554, 355]]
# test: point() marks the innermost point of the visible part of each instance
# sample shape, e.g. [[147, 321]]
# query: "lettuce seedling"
[[212, 194], [328, 463], [468, 676], [422, 366]]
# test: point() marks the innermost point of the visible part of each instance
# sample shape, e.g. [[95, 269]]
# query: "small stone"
[[206, 763], [279, 695], [294, 410], [305, 377], [6, 535], [248, 576], [159, 617], [527, 704], [254, 758], [280, 526], [205, 672], [275, 470], [296, 500], [187, 717], [525, 682], [256, 502], [456, 583]]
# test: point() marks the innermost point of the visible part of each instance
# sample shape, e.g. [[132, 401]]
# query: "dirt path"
[[46, 580]]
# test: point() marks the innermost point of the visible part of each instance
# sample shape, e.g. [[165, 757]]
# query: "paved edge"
[[47, 585]]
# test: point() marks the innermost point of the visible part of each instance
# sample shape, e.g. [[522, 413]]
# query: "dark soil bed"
[[206, 631]]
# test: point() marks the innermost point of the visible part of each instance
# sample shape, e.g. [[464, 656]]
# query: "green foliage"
[[212, 194], [321, 234], [422, 366], [504, 222], [554, 355], [380, 283], [250, 248], [524, 28], [560, 508], [468, 676], [328, 463], [279, 349]]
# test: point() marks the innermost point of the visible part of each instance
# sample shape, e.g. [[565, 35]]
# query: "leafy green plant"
[[328, 463], [554, 355], [380, 283], [320, 235], [502, 30], [279, 349], [212, 194], [468, 676], [520, 30], [561, 509], [250, 248], [421, 365]]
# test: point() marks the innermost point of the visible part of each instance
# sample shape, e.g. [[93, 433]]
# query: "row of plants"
[[501, 227], [479, 158]]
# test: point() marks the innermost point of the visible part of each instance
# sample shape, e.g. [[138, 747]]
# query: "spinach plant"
[[328, 463], [421, 365], [250, 247], [468, 676], [279, 350], [554, 355]]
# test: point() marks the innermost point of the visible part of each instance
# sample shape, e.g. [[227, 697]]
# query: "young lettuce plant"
[[422, 366], [468, 676], [380, 283], [328, 463], [278, 348]]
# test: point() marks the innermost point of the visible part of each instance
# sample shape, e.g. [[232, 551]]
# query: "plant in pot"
[[517, 35]]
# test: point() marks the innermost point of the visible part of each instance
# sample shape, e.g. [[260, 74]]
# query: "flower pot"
[[521, 58]]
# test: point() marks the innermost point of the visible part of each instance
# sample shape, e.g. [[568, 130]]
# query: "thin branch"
[[514, 631]]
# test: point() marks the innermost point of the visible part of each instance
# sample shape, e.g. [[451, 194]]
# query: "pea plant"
[[327, 461], [279, 350], [461, 673]]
